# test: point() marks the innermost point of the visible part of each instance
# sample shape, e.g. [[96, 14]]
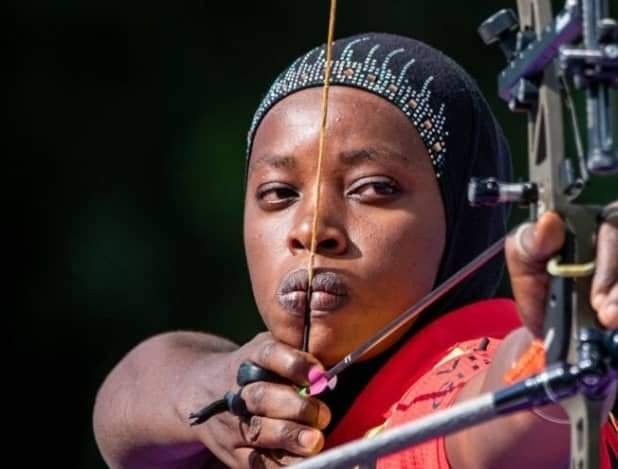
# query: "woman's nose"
[[330, 238]]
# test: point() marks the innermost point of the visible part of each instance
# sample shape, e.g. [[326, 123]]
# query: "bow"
[[542, 62], [545, 54]]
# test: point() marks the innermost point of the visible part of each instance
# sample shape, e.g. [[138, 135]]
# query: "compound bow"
[[544, 54]]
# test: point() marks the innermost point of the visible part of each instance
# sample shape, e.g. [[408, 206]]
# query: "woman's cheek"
[[403, 257]]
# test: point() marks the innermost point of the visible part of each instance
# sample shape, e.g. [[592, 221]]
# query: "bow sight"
[[591, 66]]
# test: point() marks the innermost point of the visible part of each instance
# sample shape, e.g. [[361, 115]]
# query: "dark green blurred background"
[[130, 121]]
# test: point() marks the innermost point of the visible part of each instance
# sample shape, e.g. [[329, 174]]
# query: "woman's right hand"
[[284, 426]]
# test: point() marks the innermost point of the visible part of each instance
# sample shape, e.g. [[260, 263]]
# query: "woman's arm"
[[141, 416], [136, 419], [519, 440]]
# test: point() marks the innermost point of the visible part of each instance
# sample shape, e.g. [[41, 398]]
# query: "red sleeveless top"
[[426, 374]]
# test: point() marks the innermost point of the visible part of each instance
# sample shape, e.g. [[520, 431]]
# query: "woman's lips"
[[325, 301], [329, 292]]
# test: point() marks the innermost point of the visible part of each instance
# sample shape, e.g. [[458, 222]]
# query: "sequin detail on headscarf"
[[428, 118]]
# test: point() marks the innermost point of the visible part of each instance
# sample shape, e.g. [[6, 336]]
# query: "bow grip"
[[558, 310]]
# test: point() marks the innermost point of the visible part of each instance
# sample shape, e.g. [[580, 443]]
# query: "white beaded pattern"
[[371, 76]]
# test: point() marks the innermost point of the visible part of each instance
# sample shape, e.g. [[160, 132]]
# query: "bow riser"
[[568, 310]]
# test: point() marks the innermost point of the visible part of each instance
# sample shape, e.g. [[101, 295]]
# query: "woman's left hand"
[[527, 254]]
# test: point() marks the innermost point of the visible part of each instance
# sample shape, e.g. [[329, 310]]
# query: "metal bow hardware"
[[545, 55]]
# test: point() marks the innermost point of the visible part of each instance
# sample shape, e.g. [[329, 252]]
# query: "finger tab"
[[249, 372]]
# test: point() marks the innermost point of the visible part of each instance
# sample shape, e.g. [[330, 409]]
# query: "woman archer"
[[406, 129]]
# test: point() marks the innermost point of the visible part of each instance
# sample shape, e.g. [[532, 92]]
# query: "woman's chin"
[[325, 347], [326, 357], [328, 350]]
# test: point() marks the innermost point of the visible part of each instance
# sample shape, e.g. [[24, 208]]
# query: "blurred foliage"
[[130, 122]]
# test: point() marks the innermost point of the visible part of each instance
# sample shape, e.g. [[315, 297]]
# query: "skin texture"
[[381, 219], [381, 231]]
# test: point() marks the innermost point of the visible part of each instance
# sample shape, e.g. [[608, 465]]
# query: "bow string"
[[318, 176]]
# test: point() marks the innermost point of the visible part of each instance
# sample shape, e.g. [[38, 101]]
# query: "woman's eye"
[[273, 196], [380, 190]]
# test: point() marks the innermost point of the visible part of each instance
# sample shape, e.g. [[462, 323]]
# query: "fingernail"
[[598, 300], [309, 439], [523, 238], [255, 460], [323, 417], [609, 314]]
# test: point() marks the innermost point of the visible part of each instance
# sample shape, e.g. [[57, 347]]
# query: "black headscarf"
[[452, 118], [462, 139]]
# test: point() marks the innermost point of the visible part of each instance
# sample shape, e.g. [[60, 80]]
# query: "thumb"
[[527, 253], [538, 242]]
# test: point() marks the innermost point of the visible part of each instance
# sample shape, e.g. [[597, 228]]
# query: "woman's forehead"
[[360, 126]]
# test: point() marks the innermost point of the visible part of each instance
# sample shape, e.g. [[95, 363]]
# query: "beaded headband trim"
[[371, 76]]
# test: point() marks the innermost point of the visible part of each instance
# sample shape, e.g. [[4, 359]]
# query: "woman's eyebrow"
[[275, 161], [360, 155], [349, 158]]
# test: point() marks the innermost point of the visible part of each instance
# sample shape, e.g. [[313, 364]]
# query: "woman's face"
[[381, 226]]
